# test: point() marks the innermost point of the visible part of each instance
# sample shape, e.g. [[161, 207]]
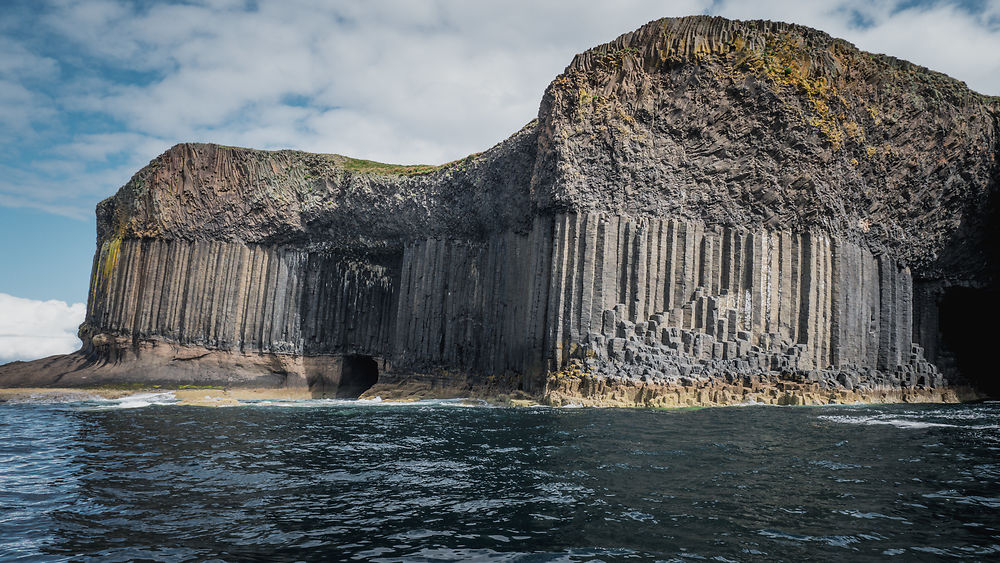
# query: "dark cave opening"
[[358, 373], [967, 323]]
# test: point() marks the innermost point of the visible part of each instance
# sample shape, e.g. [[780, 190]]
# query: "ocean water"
[[145, 479]]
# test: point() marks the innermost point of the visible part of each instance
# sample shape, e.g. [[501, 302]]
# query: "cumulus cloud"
[[31, 329]]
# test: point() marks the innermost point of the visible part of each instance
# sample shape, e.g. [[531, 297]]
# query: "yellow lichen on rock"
[[587, 391], [786, 62], [109, 256]]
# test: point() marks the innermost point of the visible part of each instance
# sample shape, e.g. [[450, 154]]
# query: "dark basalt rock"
[[699, 201]]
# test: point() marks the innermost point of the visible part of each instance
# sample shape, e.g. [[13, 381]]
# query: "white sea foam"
[[972, 413], [885, 421], [138, 400]]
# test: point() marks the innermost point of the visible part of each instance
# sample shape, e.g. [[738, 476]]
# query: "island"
[[704, 212]]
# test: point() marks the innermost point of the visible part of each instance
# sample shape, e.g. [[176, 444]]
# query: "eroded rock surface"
[[701, 203]]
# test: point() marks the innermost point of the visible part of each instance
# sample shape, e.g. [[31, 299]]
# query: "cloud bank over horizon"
[[31, 329]]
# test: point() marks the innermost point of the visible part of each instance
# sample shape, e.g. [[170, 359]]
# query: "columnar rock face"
[[230, 296], [699, 201]]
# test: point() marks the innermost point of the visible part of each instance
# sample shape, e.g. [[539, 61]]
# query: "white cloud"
[[32, 329]]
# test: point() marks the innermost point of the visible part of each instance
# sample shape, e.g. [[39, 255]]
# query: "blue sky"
[[90, 91]]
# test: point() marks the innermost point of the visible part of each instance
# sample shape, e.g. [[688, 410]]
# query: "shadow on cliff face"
[[346, 377], [357, 375], [967, 321], [967, 316]]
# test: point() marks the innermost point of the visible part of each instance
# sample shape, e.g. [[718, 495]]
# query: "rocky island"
[[704, 212]]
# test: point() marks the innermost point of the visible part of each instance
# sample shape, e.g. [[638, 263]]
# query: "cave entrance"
[[358, 373], [967, 320]]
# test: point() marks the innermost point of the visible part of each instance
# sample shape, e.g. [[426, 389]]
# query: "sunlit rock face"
[[700, 202]]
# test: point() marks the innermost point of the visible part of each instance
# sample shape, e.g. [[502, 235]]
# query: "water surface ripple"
[[342, 481]]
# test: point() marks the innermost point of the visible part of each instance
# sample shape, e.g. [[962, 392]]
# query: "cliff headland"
[[705, 211]]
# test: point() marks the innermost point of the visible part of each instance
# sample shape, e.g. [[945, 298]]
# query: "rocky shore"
[[568, 389]]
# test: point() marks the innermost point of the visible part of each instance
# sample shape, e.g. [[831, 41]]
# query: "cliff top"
[[733, 123], [806, 52], [758, 122]]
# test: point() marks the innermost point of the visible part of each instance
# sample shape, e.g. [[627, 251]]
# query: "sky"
[[92, 90]]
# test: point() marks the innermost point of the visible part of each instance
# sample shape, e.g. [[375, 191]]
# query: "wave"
[[136, 401], [93, 401], [882, 420]]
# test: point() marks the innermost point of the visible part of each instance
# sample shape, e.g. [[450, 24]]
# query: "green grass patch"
[[372, 167]]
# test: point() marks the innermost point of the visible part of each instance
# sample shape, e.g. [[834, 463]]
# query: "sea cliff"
[[705, 211]]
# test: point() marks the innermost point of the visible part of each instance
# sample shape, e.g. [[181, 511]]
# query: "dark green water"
[[341, 480]]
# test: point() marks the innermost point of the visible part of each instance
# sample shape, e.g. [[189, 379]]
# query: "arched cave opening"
[[358, 373], [967, 318]]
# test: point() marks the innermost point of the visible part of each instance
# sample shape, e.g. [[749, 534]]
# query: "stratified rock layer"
[[701, 204]]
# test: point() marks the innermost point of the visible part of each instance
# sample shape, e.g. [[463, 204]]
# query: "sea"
[[145, 479]]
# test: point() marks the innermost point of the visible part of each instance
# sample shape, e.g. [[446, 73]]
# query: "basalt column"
[[246, 298], [476, 307], [789, 301]]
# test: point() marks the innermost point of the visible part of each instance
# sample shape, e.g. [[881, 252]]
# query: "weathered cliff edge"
[[705, 212]]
